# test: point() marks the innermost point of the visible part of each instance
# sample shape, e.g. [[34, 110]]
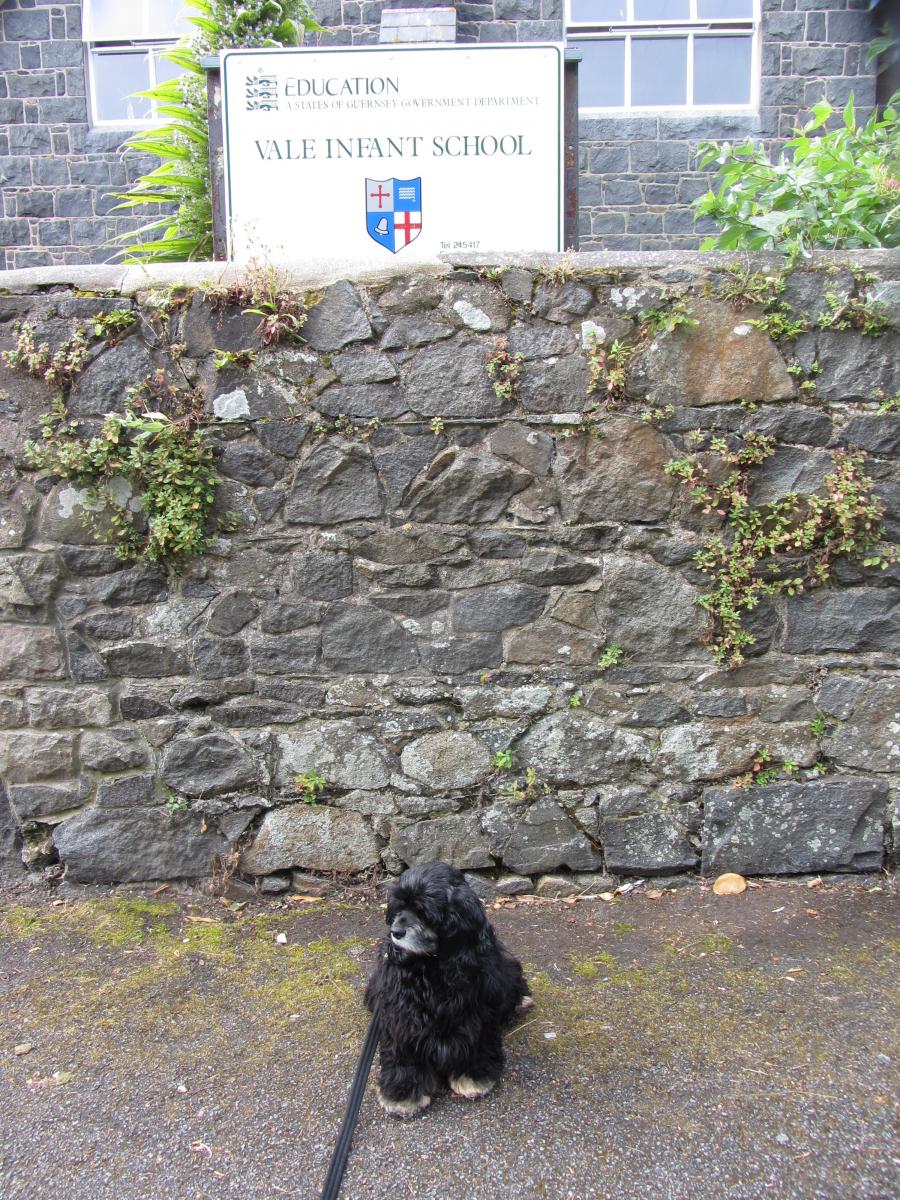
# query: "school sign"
[[388, 153]]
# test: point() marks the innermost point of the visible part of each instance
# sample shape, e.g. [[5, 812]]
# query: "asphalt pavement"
[[167, 1045]]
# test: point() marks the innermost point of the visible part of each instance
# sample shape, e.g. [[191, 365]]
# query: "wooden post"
[[570, 150], [216, 156]]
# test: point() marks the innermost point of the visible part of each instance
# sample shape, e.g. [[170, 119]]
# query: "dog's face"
[[431, 908]]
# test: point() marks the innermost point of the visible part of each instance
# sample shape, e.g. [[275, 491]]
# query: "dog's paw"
[[524, 1004], [470, 1089], [404, 1109]]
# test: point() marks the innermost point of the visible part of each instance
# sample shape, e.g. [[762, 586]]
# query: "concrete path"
[[684, 1047]]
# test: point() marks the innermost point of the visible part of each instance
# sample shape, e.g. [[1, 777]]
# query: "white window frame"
[[137, 44], [578, 32]]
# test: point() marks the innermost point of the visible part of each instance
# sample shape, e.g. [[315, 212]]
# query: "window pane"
[[658, 71], [601, 73], [165, 69], [662, 10], [722, 70], [168, 19], [599, 10], [114, 20], [724, 9], [116, 77]]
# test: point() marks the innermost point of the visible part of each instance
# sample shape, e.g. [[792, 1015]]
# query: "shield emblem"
[[394, 211]]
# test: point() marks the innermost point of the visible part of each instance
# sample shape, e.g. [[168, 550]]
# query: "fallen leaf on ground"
[[201, 920], [23, 1048], [163, 887], [607, 896], [301, 899], [814, 883], [730, 884], [654, 894]]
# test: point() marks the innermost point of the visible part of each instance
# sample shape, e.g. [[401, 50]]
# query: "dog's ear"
[[465, 914]]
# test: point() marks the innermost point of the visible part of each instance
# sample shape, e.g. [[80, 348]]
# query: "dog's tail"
[[341, 1153]]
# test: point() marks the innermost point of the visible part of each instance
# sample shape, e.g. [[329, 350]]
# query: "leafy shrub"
[[840, 189], [182, 179]]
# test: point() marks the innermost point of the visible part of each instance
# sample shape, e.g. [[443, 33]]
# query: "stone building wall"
[[428, 571], [638, 173], [56, 172]]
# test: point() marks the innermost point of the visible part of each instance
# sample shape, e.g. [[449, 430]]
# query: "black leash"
[[341, 1153]]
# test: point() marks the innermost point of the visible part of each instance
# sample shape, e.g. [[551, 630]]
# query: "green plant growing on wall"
[[263, 291], [780, 323], [182, 180], [502, 760], [505, 370], [527, 790], [751, 287], [854, 312], [806, 378], [150, 479], [223, 359], [114, 323], [750, 564], [608, 369], [608, 366], [666, 319], [310, 785], [176, 806], [766, 769], [612, 656], [653, 416], [58, 368], [827, 189]]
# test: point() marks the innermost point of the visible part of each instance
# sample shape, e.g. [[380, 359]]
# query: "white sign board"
[[380, 154]]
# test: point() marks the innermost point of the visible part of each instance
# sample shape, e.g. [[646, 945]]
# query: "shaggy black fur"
[[444, 989]]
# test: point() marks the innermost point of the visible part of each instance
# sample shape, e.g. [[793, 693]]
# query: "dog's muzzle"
[[412, 936]]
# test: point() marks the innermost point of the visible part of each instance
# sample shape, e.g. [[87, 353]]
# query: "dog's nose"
[[398, 933]]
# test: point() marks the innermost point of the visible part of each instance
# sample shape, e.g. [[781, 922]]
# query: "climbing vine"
[[150, 477], [787, 546]]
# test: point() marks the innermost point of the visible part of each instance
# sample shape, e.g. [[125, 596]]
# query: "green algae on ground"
[[114, 921], [689, 1008], [123, 973]]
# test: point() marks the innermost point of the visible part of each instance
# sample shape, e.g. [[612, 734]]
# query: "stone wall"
[[638, 173], [427, 573]]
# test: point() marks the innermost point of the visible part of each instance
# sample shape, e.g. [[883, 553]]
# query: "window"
[[125, 41], [665, 54]]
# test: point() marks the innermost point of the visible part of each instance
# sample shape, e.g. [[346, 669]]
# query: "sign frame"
[[223, 158]]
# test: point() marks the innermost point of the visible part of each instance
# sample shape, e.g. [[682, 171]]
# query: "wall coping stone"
[[129, 280]]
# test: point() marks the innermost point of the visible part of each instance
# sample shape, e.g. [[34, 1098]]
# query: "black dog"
[[443, 991]]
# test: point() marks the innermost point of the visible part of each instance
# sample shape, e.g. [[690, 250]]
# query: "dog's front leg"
[[404, 1088], [477, 1075]]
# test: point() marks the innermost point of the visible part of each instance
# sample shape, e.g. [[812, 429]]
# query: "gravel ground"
[[684, 1046]]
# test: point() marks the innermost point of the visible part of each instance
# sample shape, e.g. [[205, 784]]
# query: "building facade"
[[656, 77]]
